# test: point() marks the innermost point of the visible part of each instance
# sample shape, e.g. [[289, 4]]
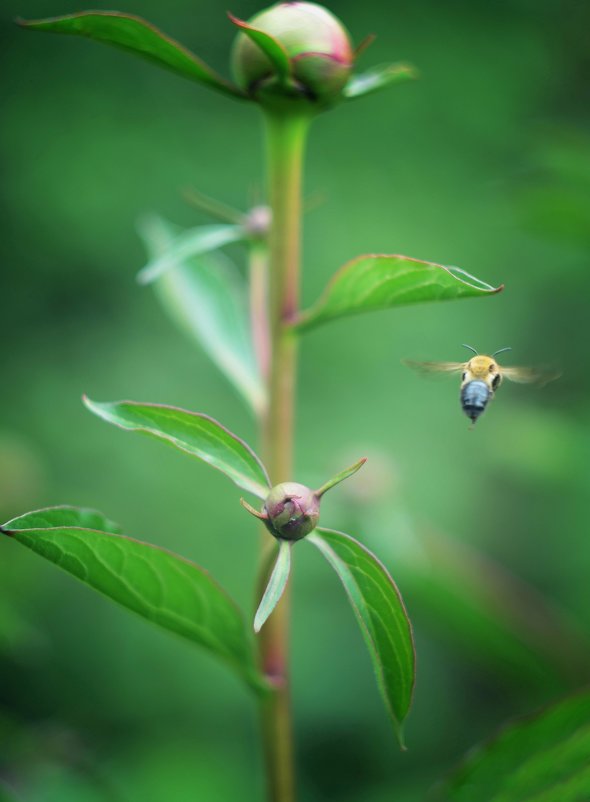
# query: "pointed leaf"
[[271, 47], [137, 36], [196, 434], [378, 78], [276, 585], [160, 586], [541, 758], [193, 242], [340, 477], [379, 281], [381, 614], [206, 297]]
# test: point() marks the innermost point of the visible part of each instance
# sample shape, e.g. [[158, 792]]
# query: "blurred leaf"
[[138, 36], [5, 794], [378, 78], [271, 47], [158, 585], [207, 297], [541, 758], [377, 281], [381, 614], [497, 619], [192, 432], [190, 243], [276, 585]]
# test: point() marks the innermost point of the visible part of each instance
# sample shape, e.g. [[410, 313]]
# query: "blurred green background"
[[483, 163]]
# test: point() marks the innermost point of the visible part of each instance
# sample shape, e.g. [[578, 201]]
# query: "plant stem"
[[285, 141], [258, 272]]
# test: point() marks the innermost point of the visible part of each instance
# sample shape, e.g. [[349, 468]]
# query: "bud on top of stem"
[[292, 510], [315, 42]]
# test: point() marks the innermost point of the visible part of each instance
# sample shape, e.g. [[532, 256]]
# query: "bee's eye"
[[463, 377]]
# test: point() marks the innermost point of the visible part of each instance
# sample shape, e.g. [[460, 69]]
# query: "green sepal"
[[276, 585], [271, 47], [376, 78]]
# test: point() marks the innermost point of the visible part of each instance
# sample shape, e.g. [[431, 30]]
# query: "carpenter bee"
[[480, 378]]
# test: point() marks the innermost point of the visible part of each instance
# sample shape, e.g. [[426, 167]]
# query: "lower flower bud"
[[293, 511]]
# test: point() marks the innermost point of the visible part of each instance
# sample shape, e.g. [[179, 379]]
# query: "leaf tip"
[[235, 20], [261, 617], [89, 403], [401, 737], [410, 70]]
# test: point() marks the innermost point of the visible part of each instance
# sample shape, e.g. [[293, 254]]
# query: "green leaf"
[[196, 434], [378, 281], [271, 47], [206, 297], [137, 36], [65, 516], [166, 589], [193, 242], [378, 78], [382, 617], [276, 585], [477, 607], [541, 758]]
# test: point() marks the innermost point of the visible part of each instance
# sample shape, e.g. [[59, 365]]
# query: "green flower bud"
[[316, 42], [293, 510]]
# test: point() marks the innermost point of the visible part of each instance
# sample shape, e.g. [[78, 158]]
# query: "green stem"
[[258, 273], [285, 140]]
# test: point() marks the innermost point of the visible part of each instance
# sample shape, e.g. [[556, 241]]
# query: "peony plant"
[[295, 61]]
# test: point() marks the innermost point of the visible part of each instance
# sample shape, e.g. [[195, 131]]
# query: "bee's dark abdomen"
[[474, 398]]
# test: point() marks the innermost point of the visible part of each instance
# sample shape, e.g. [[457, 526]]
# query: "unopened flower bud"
[[293, 510], [316, 42]]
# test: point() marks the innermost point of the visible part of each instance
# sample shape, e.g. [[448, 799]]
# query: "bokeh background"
[[482, 163]]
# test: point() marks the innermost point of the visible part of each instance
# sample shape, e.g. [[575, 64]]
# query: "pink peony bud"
[[317, 43]]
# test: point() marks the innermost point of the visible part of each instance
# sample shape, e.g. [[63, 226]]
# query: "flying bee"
[[480, 378]]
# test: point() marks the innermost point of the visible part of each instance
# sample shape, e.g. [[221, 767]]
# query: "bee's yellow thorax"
[[479, 367]]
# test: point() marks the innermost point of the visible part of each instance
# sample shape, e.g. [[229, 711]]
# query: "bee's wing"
[[435, 367], [529, 375]]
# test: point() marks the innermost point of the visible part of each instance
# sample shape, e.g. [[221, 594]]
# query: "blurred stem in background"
[[285, 143], [258, 274]]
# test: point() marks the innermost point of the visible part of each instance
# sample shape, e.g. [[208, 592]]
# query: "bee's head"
[[482, 368]]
